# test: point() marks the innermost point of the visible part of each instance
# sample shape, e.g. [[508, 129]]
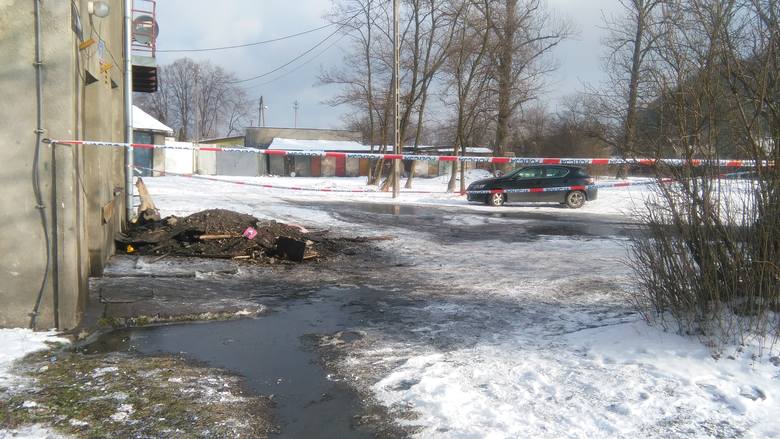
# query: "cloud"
[[200, 23]]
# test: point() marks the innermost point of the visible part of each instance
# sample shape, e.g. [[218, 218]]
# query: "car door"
[[552, 176], [526, 178]]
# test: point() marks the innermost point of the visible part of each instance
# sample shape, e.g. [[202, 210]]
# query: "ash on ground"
[[224, 234]]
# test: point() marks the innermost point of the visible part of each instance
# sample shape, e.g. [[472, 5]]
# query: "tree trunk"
[[505, 60], [633, 87]]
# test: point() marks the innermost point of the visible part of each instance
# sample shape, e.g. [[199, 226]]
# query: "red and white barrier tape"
[[441, 158], [604, 185], [617, 184], [289, 188]]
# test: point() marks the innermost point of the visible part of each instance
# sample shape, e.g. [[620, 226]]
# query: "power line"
[[321, 42], [306, 52], [298, 67], [256, 43]]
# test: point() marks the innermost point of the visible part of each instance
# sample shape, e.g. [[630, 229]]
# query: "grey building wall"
[[261, 137], [206, 162], [239, 164], [79, 184], [353, 167]]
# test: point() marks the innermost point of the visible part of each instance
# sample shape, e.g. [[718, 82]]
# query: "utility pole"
[[261, 113], [296, 106], [396, 86]]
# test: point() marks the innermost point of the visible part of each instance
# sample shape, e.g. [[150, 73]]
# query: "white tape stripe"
[[291, 188], [471, 159]]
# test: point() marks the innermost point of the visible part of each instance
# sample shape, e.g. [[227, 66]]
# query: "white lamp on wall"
[[98, 8]]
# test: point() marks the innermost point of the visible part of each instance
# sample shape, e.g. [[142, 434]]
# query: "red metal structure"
[[145, 27], [144, 46]]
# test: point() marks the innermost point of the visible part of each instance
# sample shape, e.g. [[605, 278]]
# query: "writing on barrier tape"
[[434, 158]]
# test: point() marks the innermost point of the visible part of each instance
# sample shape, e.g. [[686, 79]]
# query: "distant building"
[[226, 141], [303, 166], [261, 137], [147, 129]]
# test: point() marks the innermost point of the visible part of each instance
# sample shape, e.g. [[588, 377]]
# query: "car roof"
[[554, 166]]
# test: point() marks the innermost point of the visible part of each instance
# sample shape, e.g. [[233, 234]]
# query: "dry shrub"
[[707, 256]]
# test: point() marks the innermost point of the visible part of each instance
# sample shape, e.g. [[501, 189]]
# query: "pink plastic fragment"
[[249, 233]]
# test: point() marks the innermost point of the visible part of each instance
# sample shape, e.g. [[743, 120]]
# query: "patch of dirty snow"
[[31, 432], [123, 412], [15, 343], [104, 370]]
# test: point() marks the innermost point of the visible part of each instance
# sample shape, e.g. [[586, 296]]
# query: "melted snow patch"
[[123, 413], [104, 370], [31, 432], [15, 343]]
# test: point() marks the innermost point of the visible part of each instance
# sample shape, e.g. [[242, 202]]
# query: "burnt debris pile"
[[219, 233]]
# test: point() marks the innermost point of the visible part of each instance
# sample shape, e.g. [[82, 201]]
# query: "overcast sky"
[[199, 23]]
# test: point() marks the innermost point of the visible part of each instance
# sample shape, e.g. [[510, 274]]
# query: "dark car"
[[569, 185]]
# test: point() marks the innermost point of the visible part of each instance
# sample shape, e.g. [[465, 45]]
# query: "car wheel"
[[575, 199], [496, 199]]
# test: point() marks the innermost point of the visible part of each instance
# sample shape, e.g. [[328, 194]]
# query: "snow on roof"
[[317, 145], [143, 121], [470, 150]]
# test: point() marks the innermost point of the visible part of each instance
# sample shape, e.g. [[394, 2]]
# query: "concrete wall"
[[239, 164], [261, 137], [180, 161], [85, 211], [328, 167], [421, 168], [206, 162], [353, 167]]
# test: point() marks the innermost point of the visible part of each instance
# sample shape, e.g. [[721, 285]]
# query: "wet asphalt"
[[280, 353]]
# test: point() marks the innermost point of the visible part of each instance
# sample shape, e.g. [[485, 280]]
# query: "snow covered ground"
[[520, 333], [617, 201], [14, 345]]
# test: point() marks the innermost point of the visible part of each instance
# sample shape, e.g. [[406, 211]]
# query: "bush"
[[707, 255]]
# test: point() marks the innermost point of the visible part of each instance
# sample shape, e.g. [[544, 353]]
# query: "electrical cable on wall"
[[36, 177]]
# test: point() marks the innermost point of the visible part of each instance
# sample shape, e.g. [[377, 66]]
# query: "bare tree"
[[632, 37], [525, 34], [198, 100], [434, 31], [468, 75]]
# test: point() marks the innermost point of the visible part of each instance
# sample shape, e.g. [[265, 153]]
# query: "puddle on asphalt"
[[271, 354]]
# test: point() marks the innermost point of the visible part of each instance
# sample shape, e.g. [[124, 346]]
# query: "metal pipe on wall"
[[36, 178], [128, 88]]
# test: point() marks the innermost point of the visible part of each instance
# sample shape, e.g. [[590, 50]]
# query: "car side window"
[[528, 173], [554, 172]]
